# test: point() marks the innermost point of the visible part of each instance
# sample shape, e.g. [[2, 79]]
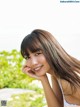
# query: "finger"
[[26, 69], [32, 74]]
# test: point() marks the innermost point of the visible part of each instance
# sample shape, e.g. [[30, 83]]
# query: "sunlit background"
[[20, 17]]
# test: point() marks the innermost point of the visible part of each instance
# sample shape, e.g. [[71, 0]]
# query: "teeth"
[[37, 68]]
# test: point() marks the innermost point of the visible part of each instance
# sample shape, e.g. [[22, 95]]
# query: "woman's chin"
[[40, 74]]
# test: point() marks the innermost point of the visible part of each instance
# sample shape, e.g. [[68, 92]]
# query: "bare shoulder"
[[70, 95], [68, 88], [65, 86]]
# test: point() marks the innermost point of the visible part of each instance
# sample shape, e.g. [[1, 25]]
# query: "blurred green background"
[[11, 76]]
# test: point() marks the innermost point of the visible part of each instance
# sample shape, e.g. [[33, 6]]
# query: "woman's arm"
[[51, 98], [57, 89]]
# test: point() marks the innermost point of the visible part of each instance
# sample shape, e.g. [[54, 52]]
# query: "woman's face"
[[37, 62]]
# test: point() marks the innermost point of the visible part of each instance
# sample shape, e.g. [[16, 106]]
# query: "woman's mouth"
[[36, 69]]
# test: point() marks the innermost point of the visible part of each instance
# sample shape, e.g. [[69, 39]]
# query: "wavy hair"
[[64, 65]]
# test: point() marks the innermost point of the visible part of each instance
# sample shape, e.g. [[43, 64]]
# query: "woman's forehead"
[[33, 51]]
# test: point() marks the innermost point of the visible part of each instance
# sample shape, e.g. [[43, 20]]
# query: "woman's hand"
[[27, 70], [30, 73]]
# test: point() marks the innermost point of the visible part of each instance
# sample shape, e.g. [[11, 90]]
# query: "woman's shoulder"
[[71, 94], [66, 86]]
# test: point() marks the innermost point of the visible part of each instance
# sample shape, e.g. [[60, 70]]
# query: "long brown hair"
[[64, 66]]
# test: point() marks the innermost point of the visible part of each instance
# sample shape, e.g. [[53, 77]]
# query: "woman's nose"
[[34, 61]]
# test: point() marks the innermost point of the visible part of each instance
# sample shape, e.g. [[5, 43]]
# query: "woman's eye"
[[26, 57], [38, 53]]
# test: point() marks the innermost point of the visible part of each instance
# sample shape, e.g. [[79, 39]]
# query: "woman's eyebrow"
[[36, 50]]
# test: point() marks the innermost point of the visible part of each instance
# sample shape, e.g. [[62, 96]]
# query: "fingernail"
[[29, 68]]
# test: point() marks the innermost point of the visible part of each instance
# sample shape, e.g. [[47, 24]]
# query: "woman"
[[44, 55]]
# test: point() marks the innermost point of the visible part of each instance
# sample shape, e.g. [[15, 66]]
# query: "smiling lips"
[[37, 68]]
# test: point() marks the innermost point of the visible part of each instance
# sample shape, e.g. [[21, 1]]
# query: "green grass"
[[30, 99]]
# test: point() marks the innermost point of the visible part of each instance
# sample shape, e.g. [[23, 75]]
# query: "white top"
[[66, 104], [69, 105]]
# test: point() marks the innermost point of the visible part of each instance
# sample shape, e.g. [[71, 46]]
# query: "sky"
[[19, 17]]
